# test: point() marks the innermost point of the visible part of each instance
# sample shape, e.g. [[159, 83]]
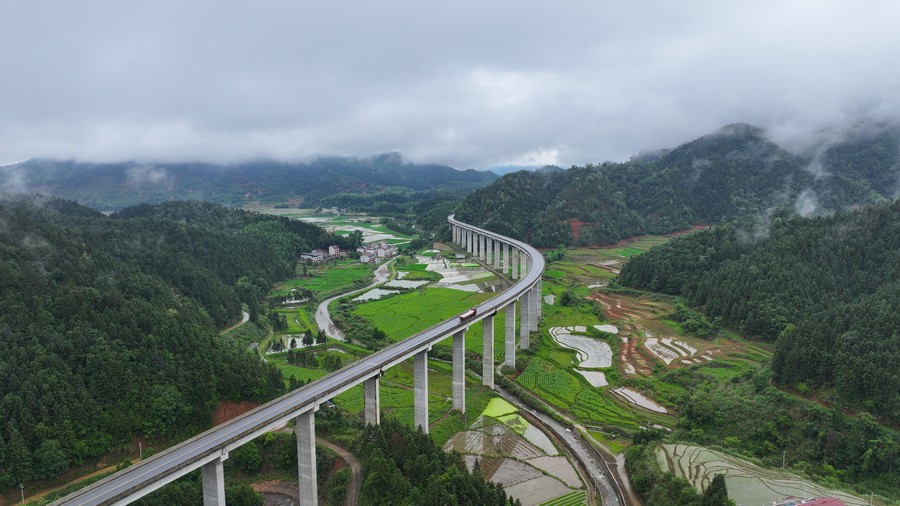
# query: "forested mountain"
[[827, 288], [731, 174], [116, 185], [108, 326]]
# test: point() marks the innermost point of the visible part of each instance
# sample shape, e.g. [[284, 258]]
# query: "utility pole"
[[22, 491], [141, 451], [783, 453]]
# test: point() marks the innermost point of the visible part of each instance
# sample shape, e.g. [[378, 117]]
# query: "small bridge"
[[208, 451]]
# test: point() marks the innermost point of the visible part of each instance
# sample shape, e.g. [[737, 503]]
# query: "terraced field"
[[747, 483]]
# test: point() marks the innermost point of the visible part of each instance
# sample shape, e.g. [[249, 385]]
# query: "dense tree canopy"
[[108, 327], [828, 289], [402, 466]]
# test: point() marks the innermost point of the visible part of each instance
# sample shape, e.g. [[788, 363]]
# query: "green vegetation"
[[658, 488], [326, 280], [827, 288], [748, 416], [735, 173], [401, 466], [109, 323], [405, 314], [576, 498]]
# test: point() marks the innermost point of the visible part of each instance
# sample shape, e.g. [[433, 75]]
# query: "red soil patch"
[[226, 410], [576, 227]]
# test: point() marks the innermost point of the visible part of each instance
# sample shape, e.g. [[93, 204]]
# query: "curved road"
[[150, 474], [323, 317]]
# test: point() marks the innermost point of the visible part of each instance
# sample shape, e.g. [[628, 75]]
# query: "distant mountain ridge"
[[111, 186], [735, 173]]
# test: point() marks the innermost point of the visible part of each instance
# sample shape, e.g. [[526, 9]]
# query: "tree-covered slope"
[[112, 186], [729, 175], [827, 288], [108, 326]]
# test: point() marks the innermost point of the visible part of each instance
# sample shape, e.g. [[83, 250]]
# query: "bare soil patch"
[[226, 410]]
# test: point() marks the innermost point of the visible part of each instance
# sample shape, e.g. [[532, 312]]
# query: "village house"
[[318, 256], [315, 256], [369, 253]]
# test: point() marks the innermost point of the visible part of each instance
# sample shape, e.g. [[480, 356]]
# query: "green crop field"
[[298, 320], [567, 391], [325, 280], [577, 498], [403, 315]]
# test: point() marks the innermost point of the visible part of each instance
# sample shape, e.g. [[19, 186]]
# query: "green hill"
[[109, 323], [113, 186], [729, 175], [827, 288]]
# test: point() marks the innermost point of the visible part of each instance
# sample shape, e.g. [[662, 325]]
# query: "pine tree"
[[18, 458], [716, 494]]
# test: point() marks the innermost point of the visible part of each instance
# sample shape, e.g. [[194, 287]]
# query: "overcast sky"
[[471, 84]]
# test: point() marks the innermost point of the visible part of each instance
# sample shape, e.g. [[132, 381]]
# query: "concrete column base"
[[525, 320], [509, 358], [214, 482], [306, 458], [459, 371], [420, 394], [373, 401], [487, 352]]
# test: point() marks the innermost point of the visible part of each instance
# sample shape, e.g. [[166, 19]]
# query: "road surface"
[[245, 317]]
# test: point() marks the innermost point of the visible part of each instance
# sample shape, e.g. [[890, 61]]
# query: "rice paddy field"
[[748, 484], [517, 455]]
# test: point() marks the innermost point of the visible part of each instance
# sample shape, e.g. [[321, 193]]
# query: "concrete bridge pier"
[[306, 457], [420, 390], [514, 262], [459, 371], [497, 254], [525, 320], [214, 482], [535, 306], [487, 352], [372, 388], [484, 243], [509, 358], [506, 263]]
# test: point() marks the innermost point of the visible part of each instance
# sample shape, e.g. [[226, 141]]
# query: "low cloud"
[[465, 83], [807, 203], [141, 176]]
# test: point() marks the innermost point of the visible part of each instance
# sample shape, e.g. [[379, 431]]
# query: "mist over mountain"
[[735, 173], [111, 186]]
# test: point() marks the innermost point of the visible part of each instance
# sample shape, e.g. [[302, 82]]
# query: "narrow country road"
[[323, 317], [245, 317], [356, 479]]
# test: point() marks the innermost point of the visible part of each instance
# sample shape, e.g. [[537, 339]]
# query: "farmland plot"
[[638, 399], [592, 353], [516, 454], [747, 483]]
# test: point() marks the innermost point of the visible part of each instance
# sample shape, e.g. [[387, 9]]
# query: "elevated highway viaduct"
[[207, 451]]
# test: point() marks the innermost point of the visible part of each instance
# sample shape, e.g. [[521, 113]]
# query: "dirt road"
[[356, 477]]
